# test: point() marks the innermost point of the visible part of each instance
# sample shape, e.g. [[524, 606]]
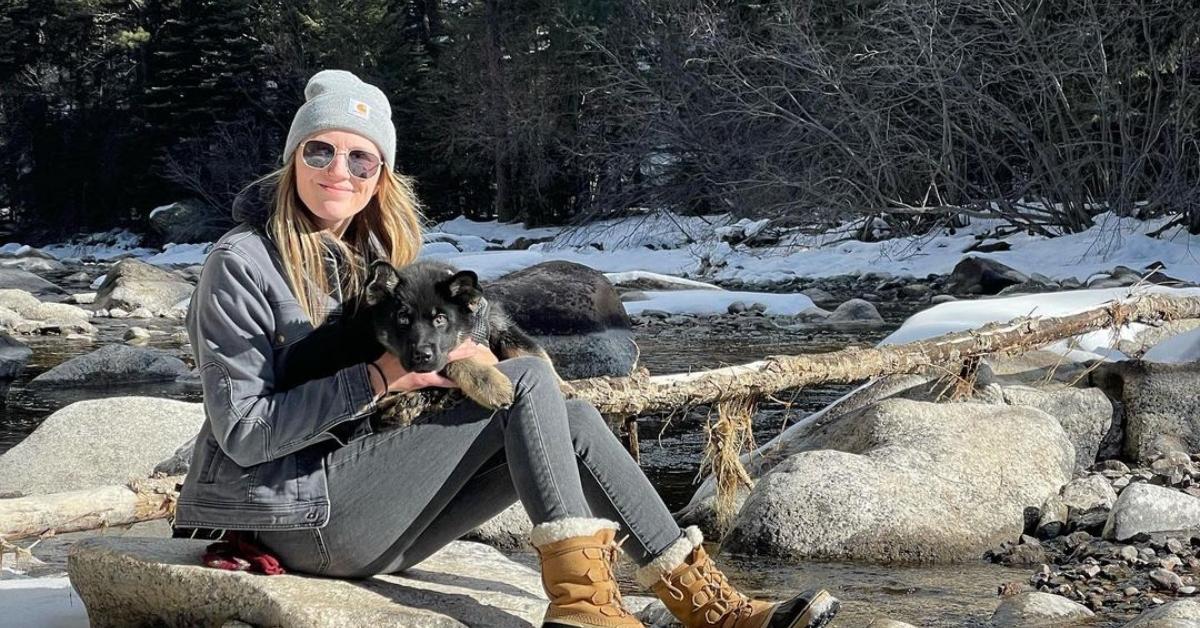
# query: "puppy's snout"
[[422, 355]]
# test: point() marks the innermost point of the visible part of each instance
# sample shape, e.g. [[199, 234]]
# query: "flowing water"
[[958, 595]]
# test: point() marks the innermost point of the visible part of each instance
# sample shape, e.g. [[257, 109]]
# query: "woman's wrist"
[[379, 381]]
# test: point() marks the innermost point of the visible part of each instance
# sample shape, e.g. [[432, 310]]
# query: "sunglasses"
[[318, 154]]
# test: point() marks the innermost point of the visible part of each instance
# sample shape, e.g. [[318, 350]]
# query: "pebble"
[[1129, 554], [1166, 580]]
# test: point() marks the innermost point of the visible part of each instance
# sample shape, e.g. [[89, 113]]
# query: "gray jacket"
[[259, 463]]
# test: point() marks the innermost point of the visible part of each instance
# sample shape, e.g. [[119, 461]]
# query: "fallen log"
[[87, 509], [629, 396]]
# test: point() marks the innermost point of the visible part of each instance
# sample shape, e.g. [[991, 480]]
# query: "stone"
[[1085, 414], [1166, 580], [114, 365], [855, 311], [30, 315], [889, 623], [82, 298], [980, 275], [508, 530], [1038, 609], [141, 312], [97, 443], [1053, 521], [139, 581], [1161, 413], [907, 481], [14, 355], [818, 295], [131, 284], [1088, 492], [938, 299], [1145, 508], [1179, 614], [575, 314], [33, 264], [15, 278], [737, 307], [915, 290], [136, 334]]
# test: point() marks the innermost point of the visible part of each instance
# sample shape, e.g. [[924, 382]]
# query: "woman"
[[303, 469]]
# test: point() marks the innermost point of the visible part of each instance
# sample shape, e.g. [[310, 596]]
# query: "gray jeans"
[[398, 496]]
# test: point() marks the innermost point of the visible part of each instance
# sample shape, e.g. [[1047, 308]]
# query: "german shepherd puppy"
[[424, 310], [420, 313]]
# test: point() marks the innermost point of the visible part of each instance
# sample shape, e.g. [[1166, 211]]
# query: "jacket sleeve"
[[231, 324]]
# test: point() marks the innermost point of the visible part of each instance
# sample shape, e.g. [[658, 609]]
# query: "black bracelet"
[[381, 376]]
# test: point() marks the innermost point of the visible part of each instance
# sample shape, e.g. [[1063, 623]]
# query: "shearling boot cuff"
[[673, 557], [570, 527]]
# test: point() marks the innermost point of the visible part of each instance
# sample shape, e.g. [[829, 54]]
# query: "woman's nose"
[[340, 165]]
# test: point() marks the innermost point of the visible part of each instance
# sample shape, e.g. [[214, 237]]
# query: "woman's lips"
[[335, 190]]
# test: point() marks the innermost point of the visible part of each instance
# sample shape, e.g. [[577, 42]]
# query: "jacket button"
[[312, 514], [279, 338]]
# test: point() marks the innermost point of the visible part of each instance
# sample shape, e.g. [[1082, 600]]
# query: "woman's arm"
[[231, 324]]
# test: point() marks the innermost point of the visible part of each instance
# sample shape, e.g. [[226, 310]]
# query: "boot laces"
[[729, 603], [611, 551]]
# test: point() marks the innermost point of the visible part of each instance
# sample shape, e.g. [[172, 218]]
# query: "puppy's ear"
[[382, 282], [463, 287]]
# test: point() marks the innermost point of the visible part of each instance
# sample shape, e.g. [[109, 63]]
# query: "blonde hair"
[[393, 215]]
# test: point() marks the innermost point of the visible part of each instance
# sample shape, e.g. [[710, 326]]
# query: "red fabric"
[[237, 552]]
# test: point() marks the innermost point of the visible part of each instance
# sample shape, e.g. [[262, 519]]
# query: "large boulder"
[[1028, 610], [855, 311], [1161, 408], [1179, 614], [143, 582], [574, 313], [114, 365], [131, 284], [907, 481], [22, 312], [980, 275], [1085, 414], [33, 264], [508, 530], [1148, 508], [17, 279], [97, 443]]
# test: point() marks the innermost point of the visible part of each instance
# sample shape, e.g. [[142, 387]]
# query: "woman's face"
[[332, 195]]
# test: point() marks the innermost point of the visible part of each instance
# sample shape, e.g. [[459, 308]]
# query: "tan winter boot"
[[577, 555], [696, 592]]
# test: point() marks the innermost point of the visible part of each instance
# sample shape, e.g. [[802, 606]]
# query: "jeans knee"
[[586, 423], [529, 373]]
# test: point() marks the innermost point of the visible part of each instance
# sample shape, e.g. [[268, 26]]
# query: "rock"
[[941, 298], [1053, 521], [114, 365], [13, 356], [909, 481], [1180, 614], [1161, 411], [508, 530], [1038, 609], [133, 581], [737, 307], [33, 264], [633, 295], [1089, 492], [980, 275], [1085, 415], [1143, 508], [82, 298], [99, 442], [576, 315], [137, 334], [26, 314], [17, 279], [889, 623], [189, 221], [855, 311], [141, 312], [818, 295], [1166, 580], [760, 308], [915, 290], [178, 462], [131, 284]]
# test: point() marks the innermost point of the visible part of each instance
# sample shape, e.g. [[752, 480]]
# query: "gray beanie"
[[338, 100]]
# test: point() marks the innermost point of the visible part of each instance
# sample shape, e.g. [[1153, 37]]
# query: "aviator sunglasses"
[[318, 154]]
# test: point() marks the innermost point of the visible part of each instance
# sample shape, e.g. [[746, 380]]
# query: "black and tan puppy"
[[423, 311]]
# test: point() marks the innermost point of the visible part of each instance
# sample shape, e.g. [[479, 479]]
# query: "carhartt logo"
[[360, 109]]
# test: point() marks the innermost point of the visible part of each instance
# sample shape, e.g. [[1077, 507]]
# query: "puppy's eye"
[[401, 318], [439, 320]]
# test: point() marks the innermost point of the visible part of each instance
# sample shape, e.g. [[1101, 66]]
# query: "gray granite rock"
[[131, 284], [1180, 614], [1089, 492], [1161, 411], [507, 530], [15, 278], [981, 275], [1085, 414], [1027, 610], [1147, 508], [855, 311], [114, 365], [97, 443], [24, 313], [13, 356], [137, 581]]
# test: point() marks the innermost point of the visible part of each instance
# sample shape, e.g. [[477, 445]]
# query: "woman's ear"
[[382, 283]]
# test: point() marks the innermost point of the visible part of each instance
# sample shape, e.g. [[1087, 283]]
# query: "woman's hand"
[[470, 349], [400, 380]]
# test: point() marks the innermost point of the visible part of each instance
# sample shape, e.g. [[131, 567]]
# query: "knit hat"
[[338, 100]]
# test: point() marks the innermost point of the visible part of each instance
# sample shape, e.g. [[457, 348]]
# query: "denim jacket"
[[258, 463]]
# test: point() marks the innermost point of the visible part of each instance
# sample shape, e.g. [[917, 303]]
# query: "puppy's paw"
[[482, 383]]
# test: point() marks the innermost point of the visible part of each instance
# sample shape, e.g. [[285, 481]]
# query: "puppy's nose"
[[422, 354]]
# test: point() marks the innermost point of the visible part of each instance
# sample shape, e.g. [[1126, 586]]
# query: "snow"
[[962, 315], [159, 209], [41, 602], [182, 254], [717, 302], [633, 275]]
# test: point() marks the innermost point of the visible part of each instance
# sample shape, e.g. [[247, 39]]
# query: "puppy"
[[424, 310]]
